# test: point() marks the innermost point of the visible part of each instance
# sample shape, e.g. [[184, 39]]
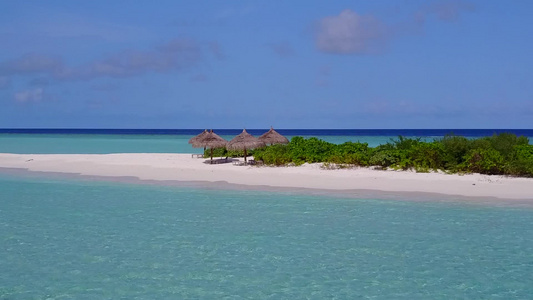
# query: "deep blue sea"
[[68, 238]]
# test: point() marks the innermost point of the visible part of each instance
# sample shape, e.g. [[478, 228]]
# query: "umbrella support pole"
[[245, 155]]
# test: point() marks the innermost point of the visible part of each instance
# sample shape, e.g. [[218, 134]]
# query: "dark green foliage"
[[385, 158], [427, 156], [405, 153], [484, 161], [522, 165], [454, 150], [505, 143], [222, 152], [503, 154], [273, 155], [351, 153], [298, 151], [403, 143], [310, 150]]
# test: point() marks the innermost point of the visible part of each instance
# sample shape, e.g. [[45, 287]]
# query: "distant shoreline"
[[163, 167]]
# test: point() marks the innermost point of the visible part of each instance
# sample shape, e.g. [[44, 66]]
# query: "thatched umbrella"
[[244, 141], [197, 138], [211, 140], [273, 137]]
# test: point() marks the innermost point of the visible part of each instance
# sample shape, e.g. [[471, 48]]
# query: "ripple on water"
[[86, 240]]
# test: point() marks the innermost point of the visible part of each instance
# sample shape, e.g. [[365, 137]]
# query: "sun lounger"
[[255, 162], [248, 163], [219, 161]]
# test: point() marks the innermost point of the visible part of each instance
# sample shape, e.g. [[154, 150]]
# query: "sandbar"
[[183, 167]]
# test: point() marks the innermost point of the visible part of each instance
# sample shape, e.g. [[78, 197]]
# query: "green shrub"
[[522, 165], [504, 154], [297, 150], [396, 154], [273, 155], [484, 161], [427, 156], [505, 143], [454, 149], [310, 150], [223, 152], [403, 143], [385, 158], [217, 152], [351, 153]]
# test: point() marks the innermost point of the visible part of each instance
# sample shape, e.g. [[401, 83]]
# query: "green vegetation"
[[502, 154], [223, 152]]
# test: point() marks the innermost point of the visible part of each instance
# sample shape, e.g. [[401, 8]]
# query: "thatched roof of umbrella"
[[195, 139], [273, 137], [244, 141], [210, 139]]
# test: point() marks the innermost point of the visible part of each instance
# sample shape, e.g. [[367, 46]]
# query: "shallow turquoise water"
[[91, 240], [128, 143], [136, 143], [94, 143]]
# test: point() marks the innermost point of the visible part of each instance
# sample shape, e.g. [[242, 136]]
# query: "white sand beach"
[[182, 167]]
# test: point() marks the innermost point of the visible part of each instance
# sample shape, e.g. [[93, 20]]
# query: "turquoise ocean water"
[[84, 239], [126, 143], [34, 141], [138, 143], [68, 239]]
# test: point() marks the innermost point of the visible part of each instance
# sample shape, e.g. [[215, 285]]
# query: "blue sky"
[[256, 64]]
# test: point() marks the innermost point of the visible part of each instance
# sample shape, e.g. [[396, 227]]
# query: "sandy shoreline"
[[183, 168]]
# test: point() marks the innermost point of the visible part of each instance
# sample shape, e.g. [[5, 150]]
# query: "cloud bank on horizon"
[[415, 64]]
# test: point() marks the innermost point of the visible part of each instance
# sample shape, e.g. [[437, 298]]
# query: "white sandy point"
[[181, 167]]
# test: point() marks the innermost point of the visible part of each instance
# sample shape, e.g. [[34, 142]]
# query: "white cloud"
[[176, 55], [350, 33], [34, 95]]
